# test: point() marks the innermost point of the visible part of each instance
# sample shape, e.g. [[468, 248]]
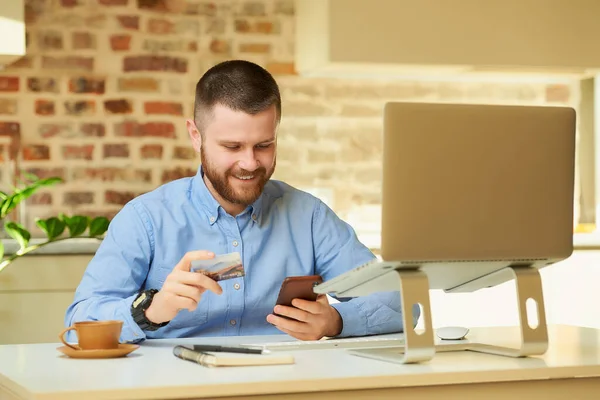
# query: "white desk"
[[570, 369]]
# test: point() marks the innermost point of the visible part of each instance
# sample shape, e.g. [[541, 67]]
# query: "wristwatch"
[[138, 311]]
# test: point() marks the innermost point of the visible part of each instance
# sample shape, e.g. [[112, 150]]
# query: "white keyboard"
[[323, 344]]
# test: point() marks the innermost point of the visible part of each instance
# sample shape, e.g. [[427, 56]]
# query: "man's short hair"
[[239, 85]]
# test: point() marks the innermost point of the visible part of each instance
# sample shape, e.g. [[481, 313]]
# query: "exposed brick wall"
[[102, 95]]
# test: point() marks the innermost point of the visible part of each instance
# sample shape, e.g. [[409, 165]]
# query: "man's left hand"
[[310, 320]]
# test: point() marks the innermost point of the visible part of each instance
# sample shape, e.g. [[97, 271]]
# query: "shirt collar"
[[211, 206]]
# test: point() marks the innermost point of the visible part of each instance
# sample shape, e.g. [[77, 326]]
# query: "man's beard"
[[220, 182]]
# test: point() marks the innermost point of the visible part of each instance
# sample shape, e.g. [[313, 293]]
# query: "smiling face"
[[238, 153]]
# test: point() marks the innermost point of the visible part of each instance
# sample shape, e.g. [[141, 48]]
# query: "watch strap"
[[138, 311]]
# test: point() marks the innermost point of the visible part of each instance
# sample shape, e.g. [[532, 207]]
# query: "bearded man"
[[141, 271]]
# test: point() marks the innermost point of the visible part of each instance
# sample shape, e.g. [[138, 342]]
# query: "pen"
[[226, 349]]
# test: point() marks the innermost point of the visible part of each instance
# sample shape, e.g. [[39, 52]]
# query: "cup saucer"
[[121, 351]]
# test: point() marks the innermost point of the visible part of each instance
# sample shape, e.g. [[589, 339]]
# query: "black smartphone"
[[298, 287]]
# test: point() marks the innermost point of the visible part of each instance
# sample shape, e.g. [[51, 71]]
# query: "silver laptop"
[[472, 189]]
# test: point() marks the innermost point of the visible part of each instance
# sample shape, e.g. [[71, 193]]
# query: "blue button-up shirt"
[[286, 232]]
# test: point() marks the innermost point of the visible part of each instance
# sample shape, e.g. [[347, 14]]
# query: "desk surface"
[[39, 371]]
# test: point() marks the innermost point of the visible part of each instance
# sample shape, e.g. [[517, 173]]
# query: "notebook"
[[218, 359]]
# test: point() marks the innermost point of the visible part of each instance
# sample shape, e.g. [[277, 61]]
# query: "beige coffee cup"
[[95, 335]]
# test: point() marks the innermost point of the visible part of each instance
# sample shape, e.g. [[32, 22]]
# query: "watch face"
[[139, 300]]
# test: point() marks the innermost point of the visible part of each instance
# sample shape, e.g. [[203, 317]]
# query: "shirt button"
[[236, 286], [212, 219], [254, 217], [235, 243], [232, 322]]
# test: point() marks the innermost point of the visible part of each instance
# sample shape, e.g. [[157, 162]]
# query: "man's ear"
[[194, 135]]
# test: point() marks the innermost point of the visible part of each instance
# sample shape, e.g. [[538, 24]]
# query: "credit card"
[[221, 267]]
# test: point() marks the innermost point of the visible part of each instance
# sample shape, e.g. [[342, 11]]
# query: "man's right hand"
[[182, 289]]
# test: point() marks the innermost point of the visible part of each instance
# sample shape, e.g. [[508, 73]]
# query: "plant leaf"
[[76, 224], [20, 194], [5, 263], [53, 180], [3, 205], [3, 196], [53, 227], [1, 249], [19, 233], [8, 205], [34, 186], [98, 226], [24, 193]]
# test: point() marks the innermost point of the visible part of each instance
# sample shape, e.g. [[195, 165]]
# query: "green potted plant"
[[54, 227]]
